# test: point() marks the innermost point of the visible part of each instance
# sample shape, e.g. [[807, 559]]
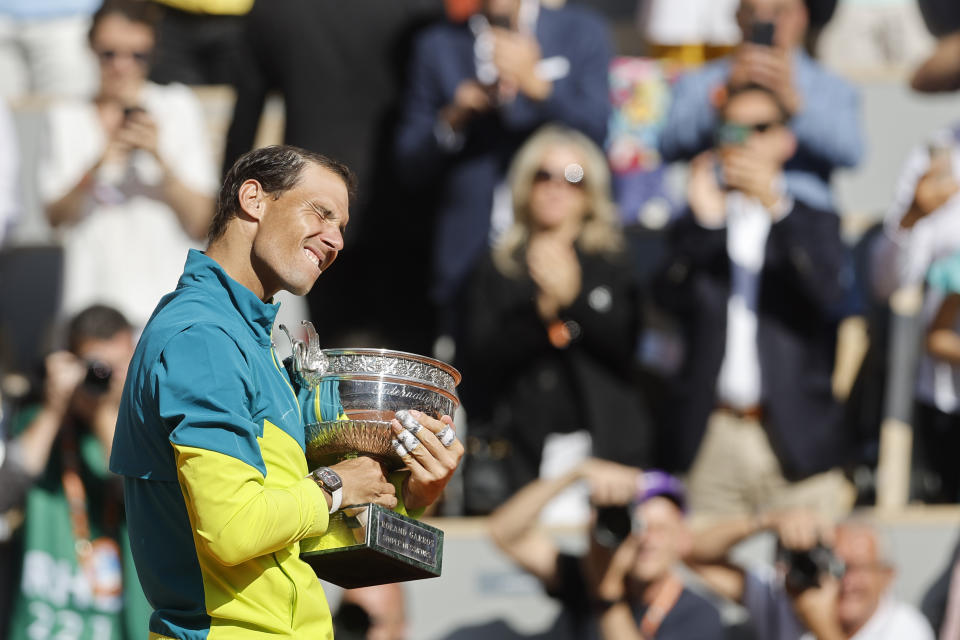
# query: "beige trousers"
[[736, 472]]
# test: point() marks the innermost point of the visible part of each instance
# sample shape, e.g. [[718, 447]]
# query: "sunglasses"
[[572, 176], [735, 133], [140, 57]]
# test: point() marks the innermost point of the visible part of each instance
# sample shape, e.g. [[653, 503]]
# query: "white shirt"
[[771, 613], [748, 226], [901, 258], [129, 248], [678, 22]]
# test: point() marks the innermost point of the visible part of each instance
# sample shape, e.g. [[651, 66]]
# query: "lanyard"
[[660, 607], [99, 559]]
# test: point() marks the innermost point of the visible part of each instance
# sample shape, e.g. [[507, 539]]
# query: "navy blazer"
[[465, 179], [803, 287]]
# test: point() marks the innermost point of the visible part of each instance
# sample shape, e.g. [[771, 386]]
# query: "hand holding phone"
[[761, 33]]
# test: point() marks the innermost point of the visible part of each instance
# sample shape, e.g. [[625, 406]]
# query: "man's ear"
[[252, 196]]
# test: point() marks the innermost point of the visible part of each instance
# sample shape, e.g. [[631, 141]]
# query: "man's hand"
[[611, 484], [613, 579], [707, 200], [769, 67], [816, 608], [363, 481], [516, 56], [65, 372], [934, 188], [469, 99], [747, 170], [801, 529], [431, 464], [555, 270], [139, 131]]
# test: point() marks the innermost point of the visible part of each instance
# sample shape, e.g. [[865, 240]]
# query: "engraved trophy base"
[[367, 544]]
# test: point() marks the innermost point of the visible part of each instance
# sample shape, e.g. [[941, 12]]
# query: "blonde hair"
[[600, 232]]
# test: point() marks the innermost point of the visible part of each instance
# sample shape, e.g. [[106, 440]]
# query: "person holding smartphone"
[[920, 239], [823, 108], [755, 279], [129, 174], [475, 93]]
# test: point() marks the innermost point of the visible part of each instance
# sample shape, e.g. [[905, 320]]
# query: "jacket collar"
[[206, 273]]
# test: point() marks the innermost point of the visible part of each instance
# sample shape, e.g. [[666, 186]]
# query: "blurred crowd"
[[652, 357]]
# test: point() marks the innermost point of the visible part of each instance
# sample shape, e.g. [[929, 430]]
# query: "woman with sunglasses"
[[551, 319], [128, 173]]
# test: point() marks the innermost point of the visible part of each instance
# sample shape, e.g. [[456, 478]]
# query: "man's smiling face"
[[301, 232]]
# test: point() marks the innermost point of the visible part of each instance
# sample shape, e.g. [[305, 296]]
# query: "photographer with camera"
[[625, 585], [73, 513], [823, 108], [826, 583]]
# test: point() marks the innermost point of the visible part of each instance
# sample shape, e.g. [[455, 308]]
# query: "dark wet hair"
[[278, 169]]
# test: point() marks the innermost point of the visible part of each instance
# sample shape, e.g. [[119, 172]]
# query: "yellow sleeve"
[[236, 516]]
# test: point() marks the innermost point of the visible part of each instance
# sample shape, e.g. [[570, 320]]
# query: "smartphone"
[[761, 32], [130, 111], [500, 20]]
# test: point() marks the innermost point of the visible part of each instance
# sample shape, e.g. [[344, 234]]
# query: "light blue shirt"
[[40, 9], [827, 126]]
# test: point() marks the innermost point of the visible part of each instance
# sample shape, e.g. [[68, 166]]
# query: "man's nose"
[[333, 239]]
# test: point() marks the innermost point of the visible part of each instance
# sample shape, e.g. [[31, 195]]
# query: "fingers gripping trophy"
[[391, 406]]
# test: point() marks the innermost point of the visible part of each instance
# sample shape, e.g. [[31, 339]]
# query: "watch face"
[[329, 478]]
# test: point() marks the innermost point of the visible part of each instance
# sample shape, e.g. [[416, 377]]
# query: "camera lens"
[[97, 380]]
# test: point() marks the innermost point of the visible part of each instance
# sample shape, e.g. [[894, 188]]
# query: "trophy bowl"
[[371, 385]]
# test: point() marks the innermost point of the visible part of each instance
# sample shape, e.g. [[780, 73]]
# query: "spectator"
[[941, 71], [129, 173], [830, 601], [625, 586], [921, 227], [552, 314], [199, 41], [870, 36], [476, 92], [941, 431], [43, 48], [372, 613], [754, 279], [690, 32], [823, 109], [74, 531]]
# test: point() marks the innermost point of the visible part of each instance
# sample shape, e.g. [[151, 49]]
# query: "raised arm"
[[513, 525]]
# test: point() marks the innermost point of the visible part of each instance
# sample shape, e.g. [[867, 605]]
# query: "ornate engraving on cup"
[[371, 386]]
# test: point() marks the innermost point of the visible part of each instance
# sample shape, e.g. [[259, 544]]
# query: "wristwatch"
[[330, 481]]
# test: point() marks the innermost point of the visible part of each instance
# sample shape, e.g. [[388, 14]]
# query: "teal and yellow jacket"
[[210, 441]]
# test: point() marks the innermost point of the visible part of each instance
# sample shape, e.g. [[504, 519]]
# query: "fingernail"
[[414, 413], [396, 426]]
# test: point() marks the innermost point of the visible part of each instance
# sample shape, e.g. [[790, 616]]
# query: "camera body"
[[804, 567], [97, 380], [613, 526]]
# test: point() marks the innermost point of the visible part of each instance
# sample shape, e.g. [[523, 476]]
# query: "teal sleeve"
[[944, 274], [203, 387]]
